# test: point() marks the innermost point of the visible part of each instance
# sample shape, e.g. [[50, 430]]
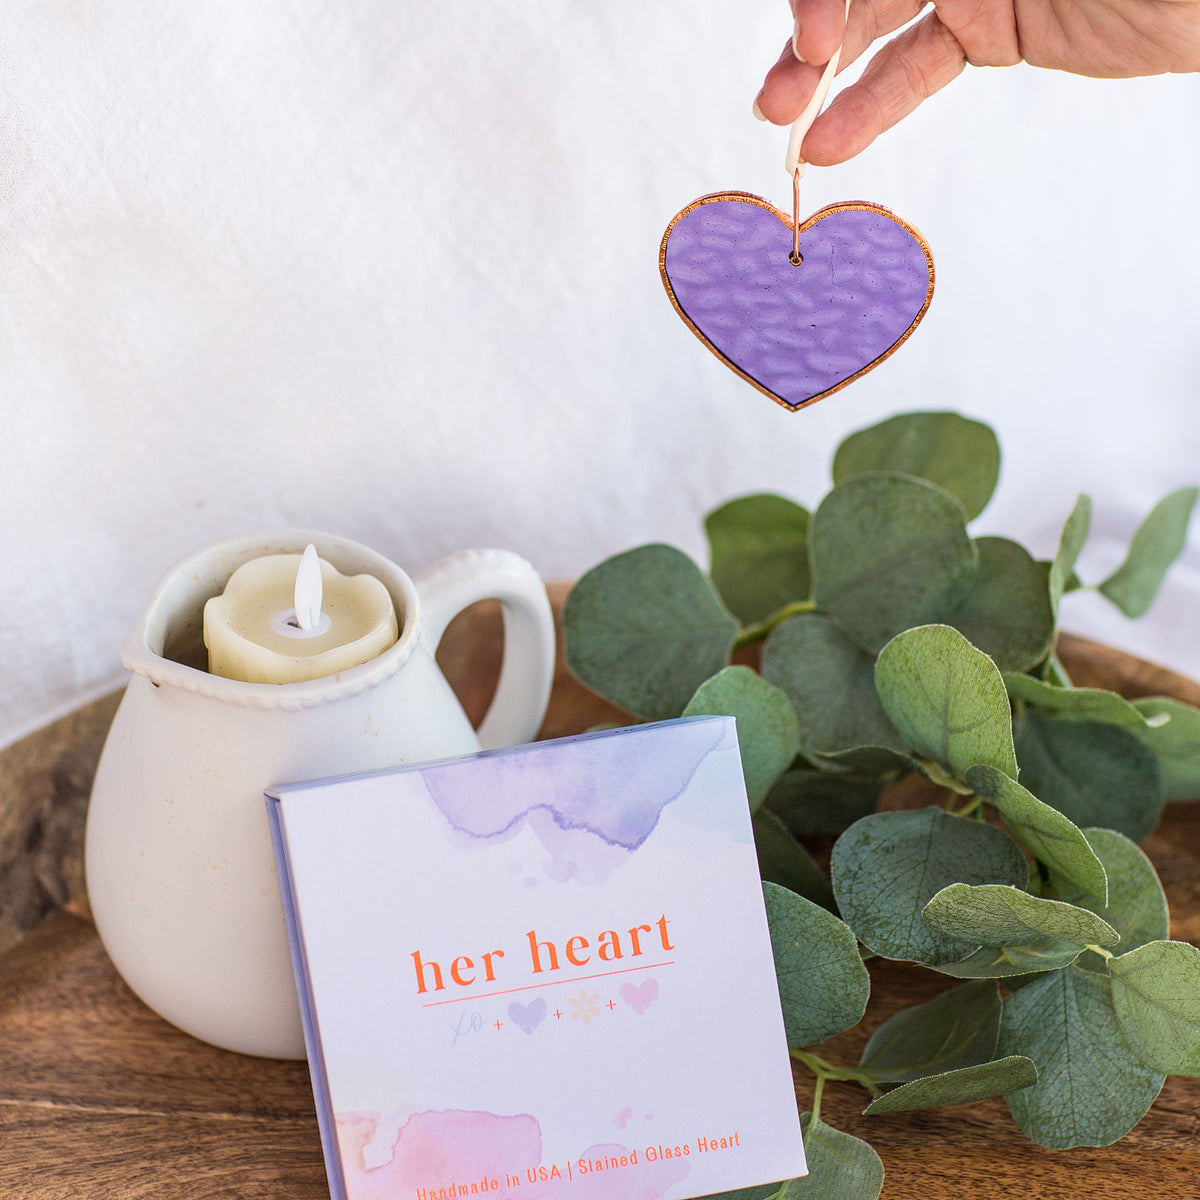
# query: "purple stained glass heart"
[[796, 332]]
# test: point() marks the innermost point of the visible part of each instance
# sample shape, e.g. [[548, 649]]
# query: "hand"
[[1106, 39]]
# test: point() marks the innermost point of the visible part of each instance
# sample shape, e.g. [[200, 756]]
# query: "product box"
[[542, 972]]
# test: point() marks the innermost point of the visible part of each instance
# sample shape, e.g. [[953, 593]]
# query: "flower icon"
[[584, 1006]]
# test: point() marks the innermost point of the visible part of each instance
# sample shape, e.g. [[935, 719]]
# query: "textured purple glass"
[[796, 332]]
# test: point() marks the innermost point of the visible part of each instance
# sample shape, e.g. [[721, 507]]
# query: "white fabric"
[[390, 270]]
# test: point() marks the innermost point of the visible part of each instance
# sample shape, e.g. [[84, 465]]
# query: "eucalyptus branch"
[[753, 634], [824, 1070], [929, 651]]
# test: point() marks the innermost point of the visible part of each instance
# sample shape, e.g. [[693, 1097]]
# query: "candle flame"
[[309, 589]]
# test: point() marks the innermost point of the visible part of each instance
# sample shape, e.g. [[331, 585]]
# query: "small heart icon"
[[640, 998], [527, 1016], [796, 331]]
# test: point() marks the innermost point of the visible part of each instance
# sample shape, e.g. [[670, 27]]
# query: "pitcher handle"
[[527, 671]]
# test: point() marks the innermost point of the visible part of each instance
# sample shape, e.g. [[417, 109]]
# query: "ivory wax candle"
[[284, 618]]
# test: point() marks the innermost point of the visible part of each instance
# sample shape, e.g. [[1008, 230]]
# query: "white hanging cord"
[[793, 162]]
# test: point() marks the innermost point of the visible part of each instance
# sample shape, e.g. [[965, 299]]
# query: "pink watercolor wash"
[[453, 1148], [639, 997]]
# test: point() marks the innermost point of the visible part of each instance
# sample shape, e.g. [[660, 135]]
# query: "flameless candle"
[[284, 618]]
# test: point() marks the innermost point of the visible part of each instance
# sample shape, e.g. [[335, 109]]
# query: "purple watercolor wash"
[[527, 1016], [797, 333], [613, 784]]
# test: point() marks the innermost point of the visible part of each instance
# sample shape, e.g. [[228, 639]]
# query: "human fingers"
[[906, 71], [870, 20], [790, 83], [819, 25], [787, 88]]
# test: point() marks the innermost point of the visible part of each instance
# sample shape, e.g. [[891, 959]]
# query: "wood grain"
[[44, 785], [100, 1098]]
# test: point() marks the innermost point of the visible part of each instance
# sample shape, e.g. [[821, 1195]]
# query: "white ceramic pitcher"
[[180, 871]]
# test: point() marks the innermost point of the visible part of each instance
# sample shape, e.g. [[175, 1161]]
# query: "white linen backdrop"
[[390, 270]]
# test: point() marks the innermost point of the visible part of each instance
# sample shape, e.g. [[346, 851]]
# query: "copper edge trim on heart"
[[828, 210]]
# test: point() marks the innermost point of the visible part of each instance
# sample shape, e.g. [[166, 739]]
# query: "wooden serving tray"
[[100, 1098]]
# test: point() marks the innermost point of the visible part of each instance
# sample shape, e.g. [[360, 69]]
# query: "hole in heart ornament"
[[797, 332]]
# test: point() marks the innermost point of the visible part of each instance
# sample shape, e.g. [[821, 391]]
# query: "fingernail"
[[799, 57], [758, 113]]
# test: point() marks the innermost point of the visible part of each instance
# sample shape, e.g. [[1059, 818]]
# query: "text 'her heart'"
[[796, 331]]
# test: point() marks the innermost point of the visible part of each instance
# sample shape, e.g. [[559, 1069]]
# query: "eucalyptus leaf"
[[783, 860], [956, 1029], [767, 727], [758, 551], [1007, 612], [645, 629], [1014, 983], [823, 984], [815, 803], [888, 866], [1096, 774], [1000, 915], [1070, 543], [840, 1166], [1013, 963], [889, 552], [1090, 1089], [1156, 994], [874, 761], [966, 1085], [764, 1191], [947, 700], [1155, 546], [958, 454], [1091, 704], [1048, 835], [1175, 742], [831, 683], [1137, 905]]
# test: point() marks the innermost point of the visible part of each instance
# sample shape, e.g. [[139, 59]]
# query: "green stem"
[[818, 1088], [757, 633], [972, 808], [943, 779], [825, 1070], [1100, 950], [1056, 673]]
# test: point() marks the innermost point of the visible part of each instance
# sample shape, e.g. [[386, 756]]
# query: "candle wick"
[[309, 591]]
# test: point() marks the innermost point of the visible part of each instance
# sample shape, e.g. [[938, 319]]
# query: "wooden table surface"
[[100, 1098]]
